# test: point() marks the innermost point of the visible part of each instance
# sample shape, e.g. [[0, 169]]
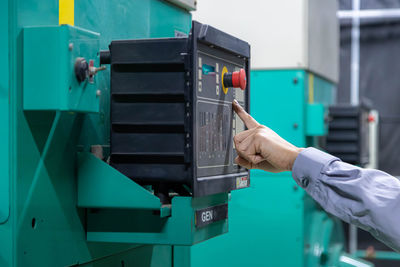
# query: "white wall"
[[278, 31]]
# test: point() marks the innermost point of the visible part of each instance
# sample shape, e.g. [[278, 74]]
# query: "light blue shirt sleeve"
[[369, 199]]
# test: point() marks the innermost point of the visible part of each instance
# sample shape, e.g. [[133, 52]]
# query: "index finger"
[[248, 120]]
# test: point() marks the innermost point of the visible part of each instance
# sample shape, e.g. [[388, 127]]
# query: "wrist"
[[294, 154]]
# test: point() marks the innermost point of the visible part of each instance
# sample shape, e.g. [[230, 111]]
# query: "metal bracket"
[[121, 211], [101, 186]]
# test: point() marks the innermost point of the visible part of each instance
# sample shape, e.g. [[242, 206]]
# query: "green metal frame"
[[101, 186], [125, 211], [132, 226]]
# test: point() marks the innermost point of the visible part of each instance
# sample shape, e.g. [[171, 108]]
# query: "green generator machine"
[[62, 203]]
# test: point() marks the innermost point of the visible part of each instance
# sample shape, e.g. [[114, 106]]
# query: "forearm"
[[367, 198]]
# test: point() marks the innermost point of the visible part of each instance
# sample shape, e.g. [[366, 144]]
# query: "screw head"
[[70, 46], [295, 125], [295, 80], [98, 93]]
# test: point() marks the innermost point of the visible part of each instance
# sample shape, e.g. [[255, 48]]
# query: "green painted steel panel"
[[324, 91], [45, 228], [5, 140], [101, 186], [143, 256], [315, 120], [178, 229], [4, 114], [277, 100], [53, 85]]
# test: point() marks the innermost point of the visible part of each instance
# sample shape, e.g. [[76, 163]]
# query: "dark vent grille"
[[148, 110], [348, 134]]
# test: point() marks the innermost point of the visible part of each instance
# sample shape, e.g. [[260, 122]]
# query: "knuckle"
[[258, 135]]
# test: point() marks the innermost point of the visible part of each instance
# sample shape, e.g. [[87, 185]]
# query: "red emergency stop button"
[[237, 79]]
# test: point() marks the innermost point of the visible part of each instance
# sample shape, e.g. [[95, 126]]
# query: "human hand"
[[261, 148]]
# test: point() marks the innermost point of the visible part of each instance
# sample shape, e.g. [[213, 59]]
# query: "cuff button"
[[305, 182]]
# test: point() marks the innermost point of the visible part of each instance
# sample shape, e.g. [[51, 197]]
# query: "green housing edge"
[[102, 187]]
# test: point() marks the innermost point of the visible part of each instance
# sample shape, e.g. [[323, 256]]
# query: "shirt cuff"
[[308, 166]]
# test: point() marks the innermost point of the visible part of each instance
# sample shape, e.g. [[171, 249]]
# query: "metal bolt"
[[70, 46], [295, 80], [295, 125], [98, 93]]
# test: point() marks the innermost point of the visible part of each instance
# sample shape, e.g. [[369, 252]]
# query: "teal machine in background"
[[293, 81], [51, 183]]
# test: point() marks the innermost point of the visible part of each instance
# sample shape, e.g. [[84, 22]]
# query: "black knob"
[[81, 69]]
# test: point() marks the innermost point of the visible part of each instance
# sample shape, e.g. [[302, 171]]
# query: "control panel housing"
[[172, 123]]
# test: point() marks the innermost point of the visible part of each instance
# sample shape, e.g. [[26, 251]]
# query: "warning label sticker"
[[242, 182]]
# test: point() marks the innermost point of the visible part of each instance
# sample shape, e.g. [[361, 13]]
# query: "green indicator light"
[[207, 69]]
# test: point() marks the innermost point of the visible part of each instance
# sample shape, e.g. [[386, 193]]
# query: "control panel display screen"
[[216, 122]]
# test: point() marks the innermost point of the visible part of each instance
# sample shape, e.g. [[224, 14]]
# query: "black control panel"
[[172, 123]]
